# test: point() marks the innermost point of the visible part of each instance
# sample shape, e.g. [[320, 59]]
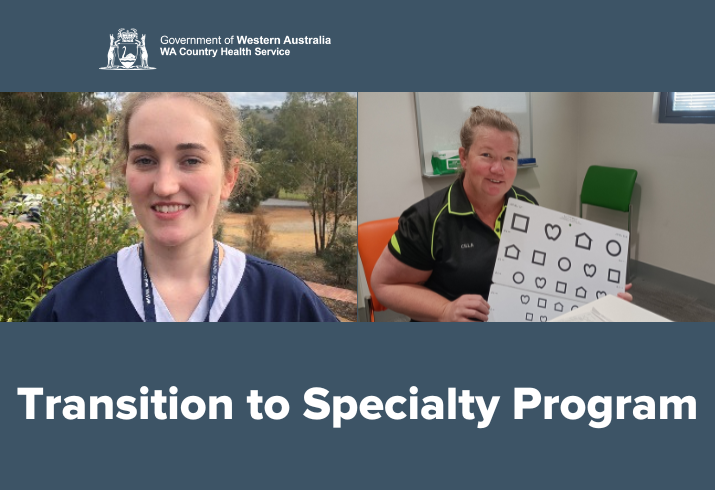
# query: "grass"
[[293, 196]]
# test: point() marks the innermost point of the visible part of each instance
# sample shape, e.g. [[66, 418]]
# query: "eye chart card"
[[552, 253], [509, 304]]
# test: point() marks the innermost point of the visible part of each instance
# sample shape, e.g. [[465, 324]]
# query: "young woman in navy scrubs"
[[179, 154]]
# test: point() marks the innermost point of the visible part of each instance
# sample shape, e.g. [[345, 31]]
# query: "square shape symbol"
[[614, 276], [519, 222]]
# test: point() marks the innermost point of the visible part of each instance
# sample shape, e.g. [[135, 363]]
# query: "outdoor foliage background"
[[83, 221], [309, 143]]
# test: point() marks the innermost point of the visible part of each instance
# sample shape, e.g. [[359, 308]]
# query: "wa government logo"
[[127, 52]]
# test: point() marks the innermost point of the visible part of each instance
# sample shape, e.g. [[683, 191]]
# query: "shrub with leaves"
[[259, 236], [341, 258], [25, 271], [82, 221]]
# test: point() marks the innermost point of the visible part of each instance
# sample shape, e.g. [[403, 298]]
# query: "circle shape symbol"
[[564, 264], [518, 277], [613, 248]]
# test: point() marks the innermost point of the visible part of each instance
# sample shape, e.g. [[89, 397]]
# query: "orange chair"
[[372, 240]]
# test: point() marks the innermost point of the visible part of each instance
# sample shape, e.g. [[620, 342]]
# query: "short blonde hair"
[[223, 114], [490, 118]]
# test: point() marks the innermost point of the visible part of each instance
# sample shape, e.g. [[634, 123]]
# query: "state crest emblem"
[[127, 52]]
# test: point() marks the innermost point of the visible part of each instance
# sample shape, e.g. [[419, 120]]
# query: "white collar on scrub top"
[[229, 277]]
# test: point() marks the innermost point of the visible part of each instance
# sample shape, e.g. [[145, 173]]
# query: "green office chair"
[[611, 188]]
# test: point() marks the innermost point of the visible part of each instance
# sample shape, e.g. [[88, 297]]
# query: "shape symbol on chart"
[[542, 318], [538, 258], [589, 270], [541, 303], [614, 276], [524, 299], [581, 292], [583, 241], [558, 307], [574, 307], [540, 282], [512, 252], [561, 287], [613, 248], [518, 277], [553, 232], [564, 264], [529, 317], [600, 294], [519, 222]]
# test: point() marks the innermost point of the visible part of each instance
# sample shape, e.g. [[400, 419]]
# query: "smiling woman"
[[439, 264], [179, 153]]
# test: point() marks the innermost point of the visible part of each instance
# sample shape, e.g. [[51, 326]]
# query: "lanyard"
[[148, 294]]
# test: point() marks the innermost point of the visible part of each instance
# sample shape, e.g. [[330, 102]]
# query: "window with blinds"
[[687, 107]]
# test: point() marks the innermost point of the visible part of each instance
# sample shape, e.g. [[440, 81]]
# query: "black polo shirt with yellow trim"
[[444, 234]]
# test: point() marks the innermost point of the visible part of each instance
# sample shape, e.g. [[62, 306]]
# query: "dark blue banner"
[[413, 374], [373, 46]]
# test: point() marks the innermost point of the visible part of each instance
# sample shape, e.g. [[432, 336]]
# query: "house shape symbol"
[[559, 307], [581, 292], [512, 252], [583, 241]]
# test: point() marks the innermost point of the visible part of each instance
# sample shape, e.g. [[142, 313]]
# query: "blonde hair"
[[490, 118], [224, 118]]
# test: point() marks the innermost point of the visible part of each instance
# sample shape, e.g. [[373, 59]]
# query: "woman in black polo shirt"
[[439, 264]]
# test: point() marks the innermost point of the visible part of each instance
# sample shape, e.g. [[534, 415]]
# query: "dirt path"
[[292, 229]]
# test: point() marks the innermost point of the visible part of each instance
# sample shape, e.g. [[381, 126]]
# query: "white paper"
[[584, 316], [610, 309]]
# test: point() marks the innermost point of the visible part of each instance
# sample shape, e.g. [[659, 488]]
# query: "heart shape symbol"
[[589, 270], [524, 299], [553, 232], [600, 294], [540, 282], [542, 318]]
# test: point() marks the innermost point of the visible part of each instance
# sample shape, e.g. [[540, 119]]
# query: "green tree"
[[274, 170], [261, 134], [278, 172], [33, 125], [320, 135]]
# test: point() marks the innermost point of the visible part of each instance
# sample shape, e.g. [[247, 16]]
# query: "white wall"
[[674, 220], [389, 170]]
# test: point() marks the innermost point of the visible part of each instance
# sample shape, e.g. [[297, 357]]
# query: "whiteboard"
[[440, 116]]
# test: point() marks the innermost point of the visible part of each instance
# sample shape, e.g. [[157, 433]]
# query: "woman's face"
[[490, 164], [174, 170]]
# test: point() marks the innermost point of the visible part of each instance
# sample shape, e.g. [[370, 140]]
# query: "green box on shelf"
[[445, 162]]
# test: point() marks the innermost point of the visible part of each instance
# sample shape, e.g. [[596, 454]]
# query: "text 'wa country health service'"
[[235, 45]]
